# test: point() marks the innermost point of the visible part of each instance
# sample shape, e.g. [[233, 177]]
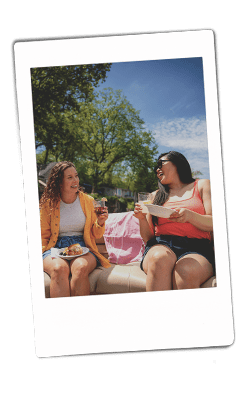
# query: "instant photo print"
[[141, 321]]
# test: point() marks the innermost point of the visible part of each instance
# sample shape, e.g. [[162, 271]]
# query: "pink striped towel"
[[122, 238]]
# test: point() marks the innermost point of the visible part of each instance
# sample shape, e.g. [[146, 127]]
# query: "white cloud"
[[199, 162], [189, 136], [181, 133]]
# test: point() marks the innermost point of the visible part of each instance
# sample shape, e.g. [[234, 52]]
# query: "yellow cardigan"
[[92, 230]]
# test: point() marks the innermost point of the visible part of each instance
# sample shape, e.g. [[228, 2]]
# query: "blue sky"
[[170, 97]]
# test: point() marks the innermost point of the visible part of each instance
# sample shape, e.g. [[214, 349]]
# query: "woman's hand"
[[138, 212], [103, 216], [180, 215], [202, 222], [145, 222]]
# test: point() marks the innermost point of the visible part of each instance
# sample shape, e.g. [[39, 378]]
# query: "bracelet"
[[99, 226]]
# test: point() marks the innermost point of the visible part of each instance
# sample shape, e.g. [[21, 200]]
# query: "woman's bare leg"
[[158, 264], [191, 271], [58, 270], [81, 267]]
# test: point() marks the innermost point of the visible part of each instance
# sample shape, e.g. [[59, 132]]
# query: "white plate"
[[85, 250], [159, 211]]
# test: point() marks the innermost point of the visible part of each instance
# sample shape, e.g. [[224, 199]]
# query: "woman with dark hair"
[[67, 217], [178, 252]]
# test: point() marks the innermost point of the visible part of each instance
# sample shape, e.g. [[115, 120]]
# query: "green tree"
[[195, 174], [110, 136], [57, 95]]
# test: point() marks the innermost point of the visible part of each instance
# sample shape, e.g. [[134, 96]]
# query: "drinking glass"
[[144, 198], [99, 206]]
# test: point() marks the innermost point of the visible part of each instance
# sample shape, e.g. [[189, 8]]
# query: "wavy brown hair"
[[52, 194]]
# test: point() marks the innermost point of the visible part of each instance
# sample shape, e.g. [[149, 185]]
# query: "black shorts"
[[182, 246]]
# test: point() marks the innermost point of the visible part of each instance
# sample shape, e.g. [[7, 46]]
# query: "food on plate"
[[72, 250]]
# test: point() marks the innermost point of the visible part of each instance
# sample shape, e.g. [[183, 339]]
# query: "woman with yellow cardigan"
[[67, 217]]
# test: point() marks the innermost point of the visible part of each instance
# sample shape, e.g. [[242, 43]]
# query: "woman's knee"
[[185, 278], [80, 268], [59, 270], [160, 259], [190, 274]]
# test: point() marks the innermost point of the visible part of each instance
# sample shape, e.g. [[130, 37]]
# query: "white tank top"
[[72, 219]]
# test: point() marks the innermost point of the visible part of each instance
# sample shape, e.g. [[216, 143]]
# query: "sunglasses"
[[159, 164]]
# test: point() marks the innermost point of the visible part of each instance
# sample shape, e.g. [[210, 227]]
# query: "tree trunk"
[[46, 156]]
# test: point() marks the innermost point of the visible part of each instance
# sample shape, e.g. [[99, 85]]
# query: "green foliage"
[[195, 174], [95, 195], [130, 205], [112, 202], [100, 132], [111, 141], [126, 204], [111, 199], [57, 94], [122, 200]]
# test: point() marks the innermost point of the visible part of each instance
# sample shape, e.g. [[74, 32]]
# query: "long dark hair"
[[184, 172]]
